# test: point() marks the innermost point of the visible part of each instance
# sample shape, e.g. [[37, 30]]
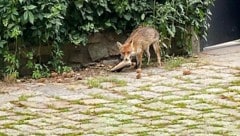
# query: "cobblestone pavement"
[[162, 102]]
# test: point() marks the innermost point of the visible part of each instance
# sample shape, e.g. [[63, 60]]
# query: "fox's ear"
[[119, 44], [132, 44]]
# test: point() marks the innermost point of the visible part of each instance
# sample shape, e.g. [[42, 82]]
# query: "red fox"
[[139, 41]]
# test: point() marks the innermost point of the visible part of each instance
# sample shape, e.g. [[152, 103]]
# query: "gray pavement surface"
[[163, 102]]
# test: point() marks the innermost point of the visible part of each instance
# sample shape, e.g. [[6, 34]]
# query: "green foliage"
[[178, 20], [29, 24], [40, 71]]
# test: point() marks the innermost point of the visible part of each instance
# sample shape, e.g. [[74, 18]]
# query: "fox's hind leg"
[[156, 48], [148, 55]]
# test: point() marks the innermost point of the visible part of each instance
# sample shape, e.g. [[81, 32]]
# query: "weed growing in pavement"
[[145, 88], [173, 62], [23, 97], [236, 83], [96, 82]]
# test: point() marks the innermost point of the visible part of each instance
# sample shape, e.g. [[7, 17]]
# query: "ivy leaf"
[[143, 16], [31, 17], [21, 1], [2, 43], [25, 16], [31, 7], [127, 16], [99, 12], [89, 18]]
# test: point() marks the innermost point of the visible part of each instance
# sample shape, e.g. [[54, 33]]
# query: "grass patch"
[[63, 109], [73, 134], [23, 97], [145, 88], [144, 133], [39, 134], [236, 83], [8, 126], [188, 80], [3, 134], [181, 105], [127, 121], [96, 82], [3, 118], [174, 62], [194, 126], [78, 102]]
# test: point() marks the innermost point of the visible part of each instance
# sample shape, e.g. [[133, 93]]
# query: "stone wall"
[[100, 46]]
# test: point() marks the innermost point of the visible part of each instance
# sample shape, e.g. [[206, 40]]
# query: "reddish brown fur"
[[139, 41]]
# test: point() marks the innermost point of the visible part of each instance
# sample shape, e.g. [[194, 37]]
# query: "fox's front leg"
[[139, 60]]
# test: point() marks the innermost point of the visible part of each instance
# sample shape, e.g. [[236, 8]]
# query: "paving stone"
[[105, 120], [190, 86], [40, 99], [91, 126], [6, 98], [61, 131], [186, 102], [3, 113], [162, 89], [202, 103], [145, 94], [12, 132], [120, 117], [171, 97], [184, 111], [204, 96], [40, 122], [213, 115], [231, 112], [224, 102], [187, 122], [236, 88], [112, 96], [7, 106], [75, 97], [59, 104], [39, 105], [125, 88], [215, 90], [94, 91], [160, 122], [184, 93], [79, 117], [143, 121], [134, 101], [94, 101], [209, 81], [92, 135], [149, 114], [203, 106], [107, 130], [158, 105], [24, 128], [6, 121], [132, 128], [41, 111]]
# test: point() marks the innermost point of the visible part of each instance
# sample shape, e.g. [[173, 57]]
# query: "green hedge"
[[27, 24]]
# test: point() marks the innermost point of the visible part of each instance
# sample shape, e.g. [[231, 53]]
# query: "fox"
[[139, 42]]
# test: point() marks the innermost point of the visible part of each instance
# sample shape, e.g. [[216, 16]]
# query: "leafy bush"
[[28, 25], [177, 20]]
